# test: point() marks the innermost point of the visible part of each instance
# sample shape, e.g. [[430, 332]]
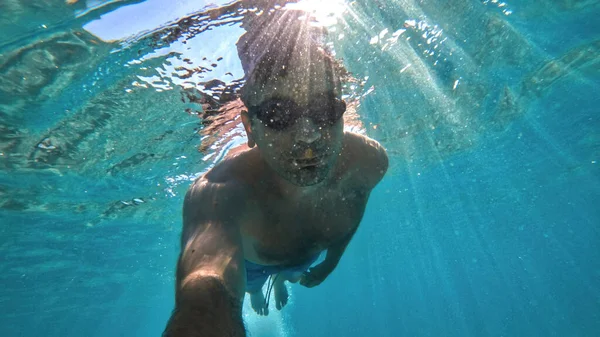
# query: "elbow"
[[204, 291], [205, 307]]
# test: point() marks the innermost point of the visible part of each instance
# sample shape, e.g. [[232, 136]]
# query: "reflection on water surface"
[[159, 104]]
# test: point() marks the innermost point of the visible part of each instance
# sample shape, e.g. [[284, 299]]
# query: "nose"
[[307, 132]]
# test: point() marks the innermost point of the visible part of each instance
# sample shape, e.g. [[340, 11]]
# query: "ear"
[[248, 127]]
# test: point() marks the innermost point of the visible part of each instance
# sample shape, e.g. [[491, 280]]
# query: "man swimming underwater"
[[268, 210]]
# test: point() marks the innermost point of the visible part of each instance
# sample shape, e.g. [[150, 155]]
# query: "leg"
[[281, 292], [292, 275], [257, 300], [254, 285]]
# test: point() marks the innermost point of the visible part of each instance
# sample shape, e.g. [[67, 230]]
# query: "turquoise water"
[[485, 225]]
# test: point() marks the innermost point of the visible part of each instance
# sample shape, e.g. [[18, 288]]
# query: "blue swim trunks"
[[257, 274]]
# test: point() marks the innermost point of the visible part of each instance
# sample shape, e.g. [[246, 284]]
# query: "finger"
[[306, 276], [310, 283], [306, 282], [315, 282]]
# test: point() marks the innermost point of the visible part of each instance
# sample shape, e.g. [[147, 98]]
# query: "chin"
[[308, 176]]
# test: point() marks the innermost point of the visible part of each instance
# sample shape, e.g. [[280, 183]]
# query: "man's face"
[[302, 146]]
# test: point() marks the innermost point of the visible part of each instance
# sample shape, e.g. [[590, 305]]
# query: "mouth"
[[307, 162], [308, 159]]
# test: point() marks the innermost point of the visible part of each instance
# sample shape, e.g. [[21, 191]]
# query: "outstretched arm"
[[210, 272]]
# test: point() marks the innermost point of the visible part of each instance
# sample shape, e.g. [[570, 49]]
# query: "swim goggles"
[[281, 113]]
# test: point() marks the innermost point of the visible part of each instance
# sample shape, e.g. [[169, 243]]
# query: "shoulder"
[[212, 202], [221, 192], [366, 159]]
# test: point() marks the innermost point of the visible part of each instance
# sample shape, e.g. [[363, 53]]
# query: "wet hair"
[[273, 39]]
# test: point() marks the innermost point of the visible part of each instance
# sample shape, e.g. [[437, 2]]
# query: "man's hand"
[[315, 275]]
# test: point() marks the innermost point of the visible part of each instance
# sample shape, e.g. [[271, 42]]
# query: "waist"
[[250, 265]]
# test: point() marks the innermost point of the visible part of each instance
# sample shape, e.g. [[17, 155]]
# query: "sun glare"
[[326, 12]]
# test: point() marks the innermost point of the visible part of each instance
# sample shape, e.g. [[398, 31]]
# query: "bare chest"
[[281, 231]]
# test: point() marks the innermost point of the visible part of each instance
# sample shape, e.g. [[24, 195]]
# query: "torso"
[[290, 229], [289, 232]]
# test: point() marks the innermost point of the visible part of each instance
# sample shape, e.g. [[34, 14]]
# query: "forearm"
[[334, 254], [205, 308]]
